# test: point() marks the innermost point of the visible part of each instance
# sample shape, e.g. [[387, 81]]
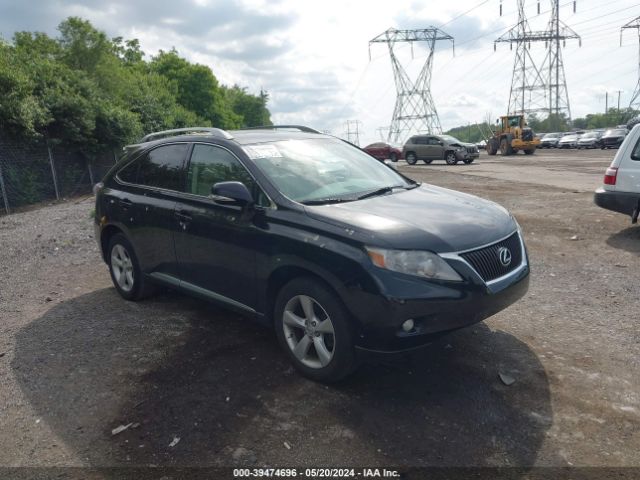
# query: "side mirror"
[[390, 164], [441, 143], [232, 193]]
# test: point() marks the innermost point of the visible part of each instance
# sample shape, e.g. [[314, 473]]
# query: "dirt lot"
[[76, 361]]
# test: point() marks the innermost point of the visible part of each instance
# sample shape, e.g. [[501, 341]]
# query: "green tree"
[[196, 89], [91, 93], [252, 108]]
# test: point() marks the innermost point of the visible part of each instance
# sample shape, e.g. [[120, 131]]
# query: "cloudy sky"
[[313, 56]]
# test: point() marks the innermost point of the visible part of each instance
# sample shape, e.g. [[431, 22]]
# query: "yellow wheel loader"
[[511, 135]]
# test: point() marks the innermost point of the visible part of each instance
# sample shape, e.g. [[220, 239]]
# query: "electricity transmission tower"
[[552, 67], [352, 131], [528, 87], [635, 98], [414, 109]]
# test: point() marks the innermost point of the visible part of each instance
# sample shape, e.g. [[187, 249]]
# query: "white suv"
[[621, 189]]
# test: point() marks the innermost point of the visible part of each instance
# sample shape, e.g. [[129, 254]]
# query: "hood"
[[424, 218]]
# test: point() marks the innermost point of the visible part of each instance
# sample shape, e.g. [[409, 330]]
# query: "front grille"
[[472, 149], [486, 260]]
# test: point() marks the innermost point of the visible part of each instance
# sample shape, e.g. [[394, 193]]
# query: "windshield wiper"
[[382, 191], [326, 201]]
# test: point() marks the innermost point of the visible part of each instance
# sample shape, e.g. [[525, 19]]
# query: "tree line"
[[86, 91]]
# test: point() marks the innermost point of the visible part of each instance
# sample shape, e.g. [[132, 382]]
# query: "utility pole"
[[528, 87], [619, 92], [606, 103], [415, 109], [635, 97]]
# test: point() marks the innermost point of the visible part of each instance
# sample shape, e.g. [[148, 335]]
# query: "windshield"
[[450, 139], [615, 132], [590, 135], [328, 169], [551, 135]]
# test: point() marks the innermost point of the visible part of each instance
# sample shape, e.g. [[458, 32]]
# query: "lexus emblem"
[[504, 254]]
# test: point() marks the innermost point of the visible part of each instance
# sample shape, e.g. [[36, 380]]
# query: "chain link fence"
[[40, 172]]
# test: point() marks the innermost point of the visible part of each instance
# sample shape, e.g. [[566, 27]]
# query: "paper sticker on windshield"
[[262, 151]]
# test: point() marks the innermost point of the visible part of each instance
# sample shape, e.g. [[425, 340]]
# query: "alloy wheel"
[[122, 267], [308, 331]]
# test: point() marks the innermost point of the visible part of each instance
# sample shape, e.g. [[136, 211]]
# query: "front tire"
[[505, 147], [313, 328], [529, 151], [451, 158], [468, 161], [125, 270]]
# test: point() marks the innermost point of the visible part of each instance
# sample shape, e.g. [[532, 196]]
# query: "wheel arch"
[[105, 236], [286, 273]]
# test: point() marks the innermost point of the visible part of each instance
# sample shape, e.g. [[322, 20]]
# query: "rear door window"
[[162, 167]]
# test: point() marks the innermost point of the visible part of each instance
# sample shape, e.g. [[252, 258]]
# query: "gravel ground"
[[76, 361]]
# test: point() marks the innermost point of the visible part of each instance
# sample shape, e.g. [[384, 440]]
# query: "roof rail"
[[216, 132], [301, 128]]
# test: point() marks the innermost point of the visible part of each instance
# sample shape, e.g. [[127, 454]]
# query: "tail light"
[[610, 176]]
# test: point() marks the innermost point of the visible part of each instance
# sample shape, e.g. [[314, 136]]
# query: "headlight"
[[412, 262]]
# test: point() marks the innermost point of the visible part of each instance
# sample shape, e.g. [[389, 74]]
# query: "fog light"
[[407, 326]]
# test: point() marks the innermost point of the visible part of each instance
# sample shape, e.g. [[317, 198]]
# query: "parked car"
[[550, 140], [438, 147], [482, 144], [311, 236], [613, 138], [384, 151], [590, 139], [620, 191], [569, 140]]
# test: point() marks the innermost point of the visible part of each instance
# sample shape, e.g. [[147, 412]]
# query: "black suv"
[[308, 234]]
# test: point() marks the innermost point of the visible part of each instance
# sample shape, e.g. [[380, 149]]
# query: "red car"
[[384, 151]]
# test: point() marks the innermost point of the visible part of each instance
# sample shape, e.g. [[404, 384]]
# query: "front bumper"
[[621, 202], [435, 307], [462, 154]]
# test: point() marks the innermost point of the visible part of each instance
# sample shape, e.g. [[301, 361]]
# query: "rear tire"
[[411, 158], [125, 271], [313, 328], [393, 157], [529, 151]]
